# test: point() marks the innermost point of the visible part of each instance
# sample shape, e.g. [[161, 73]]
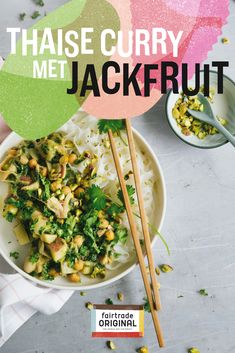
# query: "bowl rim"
[[44, 284], [178, 134]]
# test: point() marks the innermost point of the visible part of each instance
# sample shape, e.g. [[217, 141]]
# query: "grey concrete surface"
[[199, 228]]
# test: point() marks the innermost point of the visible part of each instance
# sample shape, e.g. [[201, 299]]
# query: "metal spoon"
[[208, 117]]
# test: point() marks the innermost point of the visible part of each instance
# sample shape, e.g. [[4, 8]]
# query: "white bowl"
[[223, 106], [9, 243]]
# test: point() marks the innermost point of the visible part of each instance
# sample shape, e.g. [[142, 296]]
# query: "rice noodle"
[[83, 130]]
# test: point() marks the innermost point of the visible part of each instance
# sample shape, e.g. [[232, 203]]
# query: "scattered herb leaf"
[[130, 191], [35, 15], [34, 258], [203, 292], [14, 254], [146, 305], [114, 210], [45, 272], [39, 3], [22, 16], [97, 197], [109, 301]]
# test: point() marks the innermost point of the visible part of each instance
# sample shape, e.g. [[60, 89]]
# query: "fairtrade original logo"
[[117, 321]]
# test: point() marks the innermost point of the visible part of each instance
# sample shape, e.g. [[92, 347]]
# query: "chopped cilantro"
[[39, 3], [26, 213], [147, 305], [14, 202], [203, 292], [109, 301], [14, 254], [46, 192], [121, 234], [130, 191], [45, 272], [34, 258], [114, 210], [32, 225], [9, 217], [35, 15], [97, 197], [71, 256], [22, 16]]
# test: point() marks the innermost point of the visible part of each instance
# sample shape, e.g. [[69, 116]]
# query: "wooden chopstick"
[[134, 233], [143, 216]]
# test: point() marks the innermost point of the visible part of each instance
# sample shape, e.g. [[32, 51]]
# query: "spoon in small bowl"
[[207, 116]]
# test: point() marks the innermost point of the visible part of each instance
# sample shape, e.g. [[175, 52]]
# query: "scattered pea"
[[157, 270], [111, 345], [225, 40], [89, 306], [193, 350], [166, 268], [120, 296], [143, 349]]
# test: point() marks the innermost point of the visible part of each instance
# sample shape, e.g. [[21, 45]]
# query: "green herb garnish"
[[9, 217], [109, 301], [35, 15], [114, 210], [97, 197], [71, 256], [146, 305], [22, 16], [203, 292], [39, 3], [34, 258], [121, 234], [14, 254], [45, 273], [130, 191]]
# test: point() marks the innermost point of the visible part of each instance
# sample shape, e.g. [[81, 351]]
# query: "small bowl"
[[223, 106]]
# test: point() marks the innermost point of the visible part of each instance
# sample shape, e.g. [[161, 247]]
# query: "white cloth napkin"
[[19, 298]]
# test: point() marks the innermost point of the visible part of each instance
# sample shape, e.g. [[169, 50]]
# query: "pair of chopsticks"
[[151, 289]]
